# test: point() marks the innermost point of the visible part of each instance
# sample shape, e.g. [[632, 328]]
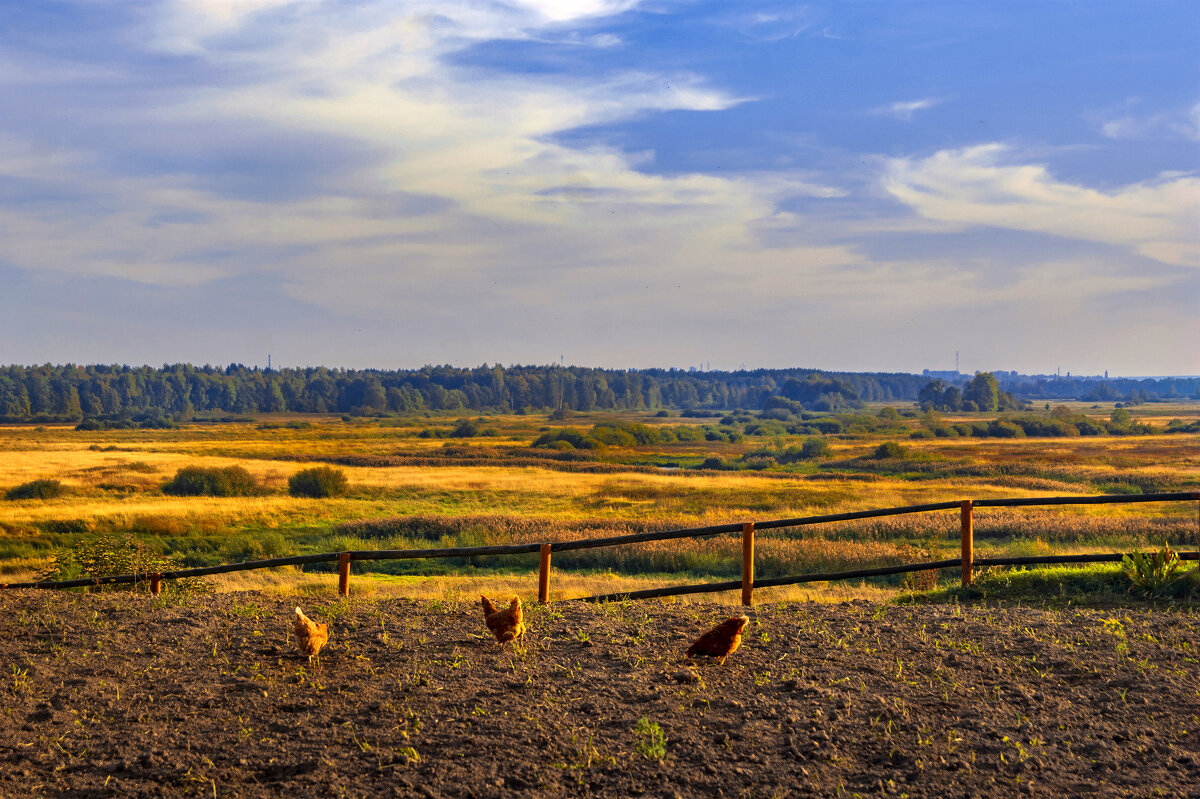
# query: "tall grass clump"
[[318, 482], [36, 489], [1153, 572], [195, 481]]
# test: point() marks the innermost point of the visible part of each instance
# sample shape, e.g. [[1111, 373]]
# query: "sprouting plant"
[[1116, 629], [1153, 572], [649, 739]]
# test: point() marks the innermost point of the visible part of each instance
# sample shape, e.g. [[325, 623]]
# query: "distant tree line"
[[179, 392]]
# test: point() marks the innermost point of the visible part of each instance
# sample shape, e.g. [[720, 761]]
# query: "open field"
[[205, 696], [413, 483]]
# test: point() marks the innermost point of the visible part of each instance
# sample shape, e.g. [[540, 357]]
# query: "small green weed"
[[649, 739]]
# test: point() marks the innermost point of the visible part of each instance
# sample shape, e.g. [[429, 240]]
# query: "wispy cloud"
[[973, 186], [905, 110], [1183, 124]]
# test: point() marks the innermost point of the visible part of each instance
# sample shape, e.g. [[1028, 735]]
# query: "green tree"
[[983, 391]]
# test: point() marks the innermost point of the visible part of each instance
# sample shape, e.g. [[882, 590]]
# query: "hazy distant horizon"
[[614, 182], [512, 365]]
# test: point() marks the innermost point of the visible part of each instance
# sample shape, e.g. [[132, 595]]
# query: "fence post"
[[968, 542], [155, 584], [544, 575], [748, 563], [344, 574]]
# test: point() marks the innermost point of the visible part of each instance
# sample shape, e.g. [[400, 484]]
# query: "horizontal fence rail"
[[747, 529]]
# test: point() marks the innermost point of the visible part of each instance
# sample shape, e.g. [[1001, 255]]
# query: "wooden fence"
[[967, 560]]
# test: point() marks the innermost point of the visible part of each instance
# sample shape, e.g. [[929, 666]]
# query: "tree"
[[983, 391]]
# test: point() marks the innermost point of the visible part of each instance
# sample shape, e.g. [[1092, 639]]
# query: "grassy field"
[[414, 484]]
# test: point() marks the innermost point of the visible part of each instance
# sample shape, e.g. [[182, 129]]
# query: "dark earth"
[[126, 695]]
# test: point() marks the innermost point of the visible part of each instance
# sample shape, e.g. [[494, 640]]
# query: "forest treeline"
[[180, 392]]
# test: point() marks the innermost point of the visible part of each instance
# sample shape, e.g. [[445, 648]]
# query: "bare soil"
[[124, 695]]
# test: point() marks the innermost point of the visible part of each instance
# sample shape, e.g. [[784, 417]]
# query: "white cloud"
[[972, 186], [1183, 124], [904, 110], [480, 143]]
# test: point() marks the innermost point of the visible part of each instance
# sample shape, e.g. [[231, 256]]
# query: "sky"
[[851, 185]]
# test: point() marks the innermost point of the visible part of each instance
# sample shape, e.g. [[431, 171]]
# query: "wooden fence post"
[[344, 574], [155, 584], [544, 575], [748, 563], [968, 542]]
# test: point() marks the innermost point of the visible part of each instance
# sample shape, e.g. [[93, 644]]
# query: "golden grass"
[[563, 587], [115, 479]]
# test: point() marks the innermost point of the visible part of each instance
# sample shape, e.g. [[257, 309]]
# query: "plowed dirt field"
[[122, 695]]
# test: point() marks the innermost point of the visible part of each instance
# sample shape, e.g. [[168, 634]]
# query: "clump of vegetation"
[[889, 449], [195, 481], [814, 448], [108, 555], [318, 482], [567, 439], [36, 489], [1153, 572], [650, 740]]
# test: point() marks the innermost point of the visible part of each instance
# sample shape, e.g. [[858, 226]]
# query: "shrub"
[[574, 438], [1000, 428], [36, 489], [814, 448], [194, 481], [1153, 572], [714, 462], [319, 481], [889, 449], [108, 555], [465, 428]]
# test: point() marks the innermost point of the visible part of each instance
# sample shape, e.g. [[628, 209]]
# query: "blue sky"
[[841, 185]]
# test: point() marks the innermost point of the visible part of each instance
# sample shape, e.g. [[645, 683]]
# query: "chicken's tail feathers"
[[488, 607]]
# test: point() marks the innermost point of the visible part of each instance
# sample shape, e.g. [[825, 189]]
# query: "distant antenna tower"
[[956, 360], [268, 361]]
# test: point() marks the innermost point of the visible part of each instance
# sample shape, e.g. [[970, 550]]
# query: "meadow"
[[446, 480]]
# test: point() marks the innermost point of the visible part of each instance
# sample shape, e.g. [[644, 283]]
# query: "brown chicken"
[[721, 641], [506, 624], [310, 636]]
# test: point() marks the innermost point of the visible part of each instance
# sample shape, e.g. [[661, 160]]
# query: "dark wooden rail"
[[747, 529]]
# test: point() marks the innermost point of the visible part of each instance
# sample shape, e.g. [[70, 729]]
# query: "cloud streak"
[[905, 110], [973, 186]]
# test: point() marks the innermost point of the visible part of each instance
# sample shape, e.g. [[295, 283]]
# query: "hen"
[[721, 641], [310, 636], [506, 624]]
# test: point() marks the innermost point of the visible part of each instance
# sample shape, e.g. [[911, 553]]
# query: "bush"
[[813, 448], [1000, 428], [195, 481], [573, 438], [36, 489], [320, 481], [1153, 572], [108, 555], [889, 449], [465, 428]]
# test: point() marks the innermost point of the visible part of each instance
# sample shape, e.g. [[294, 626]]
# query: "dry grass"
[[115, 477], [563, 587]]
